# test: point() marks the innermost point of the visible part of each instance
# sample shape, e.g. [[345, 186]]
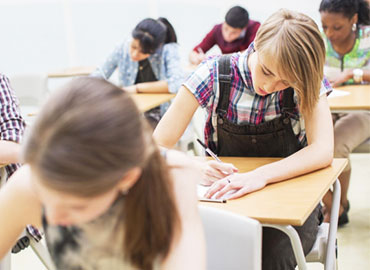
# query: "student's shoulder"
[[19, 193], [20, 181], [253, 25]]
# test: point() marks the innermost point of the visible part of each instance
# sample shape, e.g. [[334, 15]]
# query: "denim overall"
[[273, 138]]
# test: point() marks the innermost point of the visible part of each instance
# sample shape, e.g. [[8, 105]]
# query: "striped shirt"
[[12, 124], [245, 105]]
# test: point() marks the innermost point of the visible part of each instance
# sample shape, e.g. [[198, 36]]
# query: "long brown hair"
[[85, 139], [295, 42]]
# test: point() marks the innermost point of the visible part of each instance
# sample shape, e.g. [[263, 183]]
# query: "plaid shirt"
[[12, 124], [245, 105]]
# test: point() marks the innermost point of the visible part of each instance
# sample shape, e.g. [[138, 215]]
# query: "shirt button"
[[286, 121]]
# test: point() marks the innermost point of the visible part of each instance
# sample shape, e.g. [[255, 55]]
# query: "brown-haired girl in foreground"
[[99, 187]]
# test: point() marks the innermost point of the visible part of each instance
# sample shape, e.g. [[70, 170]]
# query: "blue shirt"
[[165, 63]]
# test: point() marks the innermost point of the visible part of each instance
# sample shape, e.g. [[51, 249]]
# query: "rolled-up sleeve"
[[111, 63], [174, 74]]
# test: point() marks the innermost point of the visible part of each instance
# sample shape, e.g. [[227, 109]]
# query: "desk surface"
[[71, 72], [358, 99], [285, 203], [146, 102]]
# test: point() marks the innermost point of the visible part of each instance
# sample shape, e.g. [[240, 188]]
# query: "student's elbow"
[[326, 154]]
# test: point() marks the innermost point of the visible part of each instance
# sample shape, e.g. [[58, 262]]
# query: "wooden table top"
[[285, 203], [72, 71], [146, 102], [358, 99]]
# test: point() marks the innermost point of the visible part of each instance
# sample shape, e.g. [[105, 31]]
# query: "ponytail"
[[150, 215], [170, 31], [363, 12]]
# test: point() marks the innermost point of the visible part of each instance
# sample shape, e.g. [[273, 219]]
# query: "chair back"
[[234, 242], [31, 90]]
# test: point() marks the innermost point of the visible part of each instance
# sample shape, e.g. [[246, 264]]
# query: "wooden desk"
[[300, 195], [357, 100], [146, 102], [287, 203], [72, 71]]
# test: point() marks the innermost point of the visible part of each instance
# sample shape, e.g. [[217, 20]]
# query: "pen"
[[209, 151], [212, 200]]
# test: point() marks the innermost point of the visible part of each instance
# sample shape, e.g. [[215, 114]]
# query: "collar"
[[244, 69]]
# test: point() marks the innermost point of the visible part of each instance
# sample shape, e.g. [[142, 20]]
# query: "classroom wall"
[[41, 36]]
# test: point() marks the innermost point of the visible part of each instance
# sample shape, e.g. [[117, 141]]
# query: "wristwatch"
[[357, 75]]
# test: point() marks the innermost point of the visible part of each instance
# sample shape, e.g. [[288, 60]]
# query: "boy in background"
[[233, 35]]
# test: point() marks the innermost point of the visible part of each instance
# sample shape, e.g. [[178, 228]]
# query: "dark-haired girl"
[[147, 62], [346, 24]]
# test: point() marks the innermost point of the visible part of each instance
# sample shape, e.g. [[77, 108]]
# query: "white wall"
[[41, 36]]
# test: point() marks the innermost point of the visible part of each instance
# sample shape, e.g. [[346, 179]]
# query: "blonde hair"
[[296, 44], [85, 140]]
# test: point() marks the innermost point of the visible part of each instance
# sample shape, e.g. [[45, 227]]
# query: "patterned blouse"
[[12, 124], [358, 57], [245, 106], [95, 245], [165, 63]]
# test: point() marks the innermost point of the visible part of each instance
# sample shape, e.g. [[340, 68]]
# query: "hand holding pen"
[[216, 170]]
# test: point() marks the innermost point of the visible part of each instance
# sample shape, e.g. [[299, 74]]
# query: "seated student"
[[12, 127], [149, 62], [233, 35], [100, 188], [346, 24], [271, 102]]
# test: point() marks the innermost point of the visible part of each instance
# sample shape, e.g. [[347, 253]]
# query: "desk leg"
[[330, 248], [295, 241]]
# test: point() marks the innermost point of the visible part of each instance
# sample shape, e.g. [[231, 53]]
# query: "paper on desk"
[[338, 93], [201, 190]]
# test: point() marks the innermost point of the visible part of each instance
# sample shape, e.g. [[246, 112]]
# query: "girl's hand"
[[341, 78], [213, 171], [240, 183]]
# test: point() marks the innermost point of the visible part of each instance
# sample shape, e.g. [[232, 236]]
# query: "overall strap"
[[224, 78], [288, 103]]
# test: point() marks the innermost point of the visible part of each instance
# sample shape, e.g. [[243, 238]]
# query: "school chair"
[[324, 249], [232, 241], [31, 90], [26, 240]]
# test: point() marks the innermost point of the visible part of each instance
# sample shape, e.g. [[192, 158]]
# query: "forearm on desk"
[[152, 87], [318, 154], [306, 160], [9, 152]]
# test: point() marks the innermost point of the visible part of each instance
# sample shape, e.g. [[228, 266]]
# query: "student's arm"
[[148, 87], [9, 152], [347, 75], [19, 207], [188, 247], [198, 53], [109, 66], [176, 119], [318, 154], [172, 126]]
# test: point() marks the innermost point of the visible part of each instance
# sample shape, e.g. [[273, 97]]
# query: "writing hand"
[[213, 171]]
